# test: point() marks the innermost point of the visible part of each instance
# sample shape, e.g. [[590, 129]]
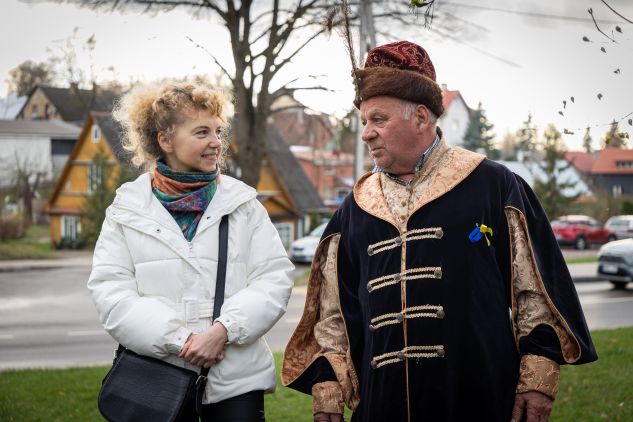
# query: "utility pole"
[[367, 41]]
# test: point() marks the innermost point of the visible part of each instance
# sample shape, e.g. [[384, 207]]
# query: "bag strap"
[[220, 282]]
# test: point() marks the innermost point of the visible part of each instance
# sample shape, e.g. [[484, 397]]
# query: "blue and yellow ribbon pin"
[[479, 232]]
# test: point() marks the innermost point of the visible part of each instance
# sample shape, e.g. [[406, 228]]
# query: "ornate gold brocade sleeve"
[[329, 332], [531, 307], [538, 373]]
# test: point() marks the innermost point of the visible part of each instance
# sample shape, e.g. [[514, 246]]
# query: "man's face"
[[394, 143]]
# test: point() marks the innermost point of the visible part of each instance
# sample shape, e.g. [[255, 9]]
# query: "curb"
[[17, 268]]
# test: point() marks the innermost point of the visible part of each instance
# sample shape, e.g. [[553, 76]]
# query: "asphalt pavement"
[[48, 320]]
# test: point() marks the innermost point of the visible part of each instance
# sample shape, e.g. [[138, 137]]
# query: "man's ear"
[[422, 116], [164, 142]]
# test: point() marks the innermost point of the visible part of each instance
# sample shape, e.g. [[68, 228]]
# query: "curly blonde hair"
[[147, 110]]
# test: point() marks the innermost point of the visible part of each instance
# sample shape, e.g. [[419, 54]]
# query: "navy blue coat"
[[462, 361]]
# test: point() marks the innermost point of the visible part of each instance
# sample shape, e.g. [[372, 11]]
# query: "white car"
[[615, 262], [621, 226], [303, 249]]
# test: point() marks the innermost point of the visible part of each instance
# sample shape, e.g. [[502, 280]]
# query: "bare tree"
[[24, 77], [25, 173], [265, 37]]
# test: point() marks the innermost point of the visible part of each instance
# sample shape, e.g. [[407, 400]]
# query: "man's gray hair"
[[409, 107]]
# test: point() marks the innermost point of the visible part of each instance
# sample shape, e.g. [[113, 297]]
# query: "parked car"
[[615, 262], [621, 226], [303, 249], [580, 231]]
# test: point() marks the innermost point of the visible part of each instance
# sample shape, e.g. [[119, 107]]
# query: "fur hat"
[[403, 70]]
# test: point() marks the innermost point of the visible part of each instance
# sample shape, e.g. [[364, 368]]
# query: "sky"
[[517, 58]]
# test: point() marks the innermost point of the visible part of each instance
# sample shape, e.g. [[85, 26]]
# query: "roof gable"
[[448, 97], [291, 173], [609, 159], [73, 104], [582, 161], [110, 131]]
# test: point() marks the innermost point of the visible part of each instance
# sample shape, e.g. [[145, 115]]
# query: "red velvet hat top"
[[402, 55], [401, 70]]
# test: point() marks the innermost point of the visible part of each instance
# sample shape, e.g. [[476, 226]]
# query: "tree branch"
[[590, 11], [222, 68], [294, 53], [614, 11]]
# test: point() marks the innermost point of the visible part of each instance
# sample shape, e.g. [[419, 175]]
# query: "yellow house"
[[283, 188]]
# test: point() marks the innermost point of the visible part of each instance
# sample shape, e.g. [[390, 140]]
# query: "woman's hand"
[[207, 348]]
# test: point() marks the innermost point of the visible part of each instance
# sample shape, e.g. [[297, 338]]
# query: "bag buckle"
[[192, 313], [201, 379]]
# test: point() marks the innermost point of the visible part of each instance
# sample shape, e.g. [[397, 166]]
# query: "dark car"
[[580, 231], [615, 262]]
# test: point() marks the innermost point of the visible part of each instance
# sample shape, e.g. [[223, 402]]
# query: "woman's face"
[[195, 144]]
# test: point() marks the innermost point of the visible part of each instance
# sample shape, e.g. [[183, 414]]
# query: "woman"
[[155, 263]]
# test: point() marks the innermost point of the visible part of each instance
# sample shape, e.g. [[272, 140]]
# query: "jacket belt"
[[193, 309]]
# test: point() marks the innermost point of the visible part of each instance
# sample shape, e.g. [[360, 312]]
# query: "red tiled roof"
[[582, 161], [448, 97], [606, 163]]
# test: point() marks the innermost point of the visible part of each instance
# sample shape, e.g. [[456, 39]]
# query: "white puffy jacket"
[[152, 287]]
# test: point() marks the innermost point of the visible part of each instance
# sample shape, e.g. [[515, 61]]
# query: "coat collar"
[[447, 166]]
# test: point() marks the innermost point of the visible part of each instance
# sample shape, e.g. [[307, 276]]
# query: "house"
[[612, 172], [531, 172], [80, 175], [301, 126], [456, 117], [581, 160], [331, 172], [39, 147], [283, 189], [68, 104], [315, 143]]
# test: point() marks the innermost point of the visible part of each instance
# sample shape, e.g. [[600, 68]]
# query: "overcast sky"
[[520, 57]]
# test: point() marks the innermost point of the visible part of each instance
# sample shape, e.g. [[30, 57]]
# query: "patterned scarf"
[[185, 195]]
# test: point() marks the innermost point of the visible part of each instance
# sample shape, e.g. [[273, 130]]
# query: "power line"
[[530, 14]]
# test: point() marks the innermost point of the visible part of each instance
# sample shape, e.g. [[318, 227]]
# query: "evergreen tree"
[[614, 138], [509, 147], [586, 140], [526, 135], [479, 132], [104, 179], [550, 190]]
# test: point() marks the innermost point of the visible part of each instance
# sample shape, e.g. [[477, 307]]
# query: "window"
[[95, 177], [285, 233], [616, 190], [71, 226], [342, 192], [329, 171], [34, 114], [96, 134]]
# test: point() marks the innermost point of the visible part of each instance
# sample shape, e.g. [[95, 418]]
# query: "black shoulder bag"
[[140, 388]]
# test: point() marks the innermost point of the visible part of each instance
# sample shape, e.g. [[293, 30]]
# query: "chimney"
[[444, 87]]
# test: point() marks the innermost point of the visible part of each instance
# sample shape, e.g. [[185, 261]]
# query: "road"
[[47, 318]]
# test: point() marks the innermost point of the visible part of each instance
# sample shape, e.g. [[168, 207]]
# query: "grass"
[[302, 279], [581, 260], [34, 245], [602, 390]]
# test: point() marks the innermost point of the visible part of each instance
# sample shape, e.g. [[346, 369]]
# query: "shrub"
[[13, 227], [70, 243]]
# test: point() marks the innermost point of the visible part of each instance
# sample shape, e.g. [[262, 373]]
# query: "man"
[[438, 291]]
